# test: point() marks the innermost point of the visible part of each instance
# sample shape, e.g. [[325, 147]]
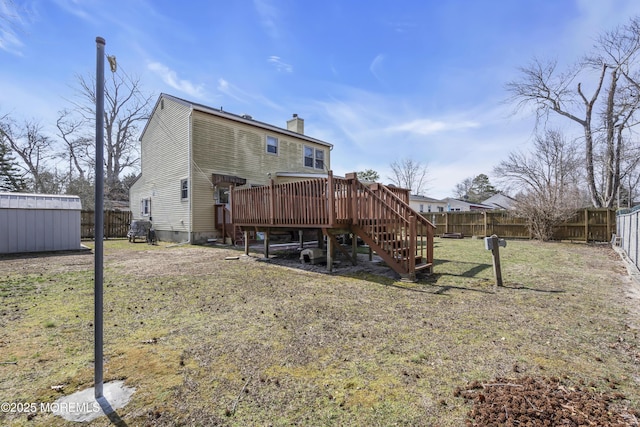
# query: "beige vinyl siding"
[[226, 147], [164, 162]]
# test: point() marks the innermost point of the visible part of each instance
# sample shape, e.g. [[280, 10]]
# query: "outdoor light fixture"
[[112, 63]]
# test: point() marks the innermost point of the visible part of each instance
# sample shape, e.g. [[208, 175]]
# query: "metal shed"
[[39, 223]]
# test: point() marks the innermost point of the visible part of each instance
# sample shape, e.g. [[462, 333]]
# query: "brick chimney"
[[296, 124]]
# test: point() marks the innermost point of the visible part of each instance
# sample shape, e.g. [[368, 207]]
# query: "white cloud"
[[74, 7], [269, 16], [371, 130], [12, 20], [375, 66], [170, 77], [280, 66], [10, 42], [231, 91], [245, 97], [428, 126]]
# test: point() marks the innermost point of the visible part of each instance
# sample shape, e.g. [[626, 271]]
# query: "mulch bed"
[[533, 401]]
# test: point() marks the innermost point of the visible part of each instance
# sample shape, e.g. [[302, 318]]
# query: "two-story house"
[[191, 154]]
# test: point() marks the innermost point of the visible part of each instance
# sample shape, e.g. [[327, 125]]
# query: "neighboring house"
[[425, 204], [455, 205], [192, 154], [500, 201]]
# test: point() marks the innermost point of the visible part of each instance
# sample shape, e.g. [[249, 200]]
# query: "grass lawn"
[[209, 341]]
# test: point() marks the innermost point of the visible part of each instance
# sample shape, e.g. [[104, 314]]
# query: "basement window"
[[272, 145]]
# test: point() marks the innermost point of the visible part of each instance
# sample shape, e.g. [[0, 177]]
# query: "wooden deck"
[[378, 214]]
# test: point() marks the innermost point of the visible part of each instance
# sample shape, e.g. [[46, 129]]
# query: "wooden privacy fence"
[[587, 225], [628, 230], [116, 224]]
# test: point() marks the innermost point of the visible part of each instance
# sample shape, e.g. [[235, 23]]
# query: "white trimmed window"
[[145, 207], [313, 157], [272, 145], [184, 189]]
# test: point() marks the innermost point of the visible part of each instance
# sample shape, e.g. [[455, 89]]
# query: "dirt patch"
[[532, 401]]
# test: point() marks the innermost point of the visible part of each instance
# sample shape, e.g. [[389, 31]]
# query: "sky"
[[382, 81]]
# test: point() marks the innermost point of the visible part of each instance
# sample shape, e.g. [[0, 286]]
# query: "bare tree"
[[606, 112], [409, 173], [463, 188], [77, 144], [125, 109], [32, 147], [546, 180]]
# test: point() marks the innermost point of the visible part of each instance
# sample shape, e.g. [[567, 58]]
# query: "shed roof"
[[39, 201]]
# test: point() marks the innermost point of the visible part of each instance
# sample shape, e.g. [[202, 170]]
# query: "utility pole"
[[99, 222]]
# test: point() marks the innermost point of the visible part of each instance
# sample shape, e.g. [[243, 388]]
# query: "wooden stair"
[[390, 227]]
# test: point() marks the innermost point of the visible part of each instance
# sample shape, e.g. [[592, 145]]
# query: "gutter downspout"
[[190, 179]]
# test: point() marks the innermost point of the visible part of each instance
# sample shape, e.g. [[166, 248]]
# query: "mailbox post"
[[493, 244]]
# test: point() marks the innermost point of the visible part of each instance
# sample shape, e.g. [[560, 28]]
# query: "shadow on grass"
[[472, 271], [111, 413], [427, 284], [45, 254], [478, 268], [424, 284], [517, 286]]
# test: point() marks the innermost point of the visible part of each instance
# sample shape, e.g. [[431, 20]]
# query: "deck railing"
[[379, 214], [321, 202]]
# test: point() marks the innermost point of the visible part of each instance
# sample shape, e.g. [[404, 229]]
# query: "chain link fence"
[[628, 233]]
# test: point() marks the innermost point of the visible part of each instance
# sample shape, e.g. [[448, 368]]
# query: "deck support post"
[[370, 253], [301, 239], [320, 239], [246, 242], [267, 234], [329, 254], [224, 226], [354, 248]]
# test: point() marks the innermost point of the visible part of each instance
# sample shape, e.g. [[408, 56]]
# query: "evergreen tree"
[[475, 190], [10, 178], [481, 189]]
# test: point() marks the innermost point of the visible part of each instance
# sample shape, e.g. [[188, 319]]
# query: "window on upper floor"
[[272, 145], [184, 189], [313, 157]]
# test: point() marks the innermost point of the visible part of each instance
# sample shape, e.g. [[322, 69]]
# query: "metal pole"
[[99, 220]]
